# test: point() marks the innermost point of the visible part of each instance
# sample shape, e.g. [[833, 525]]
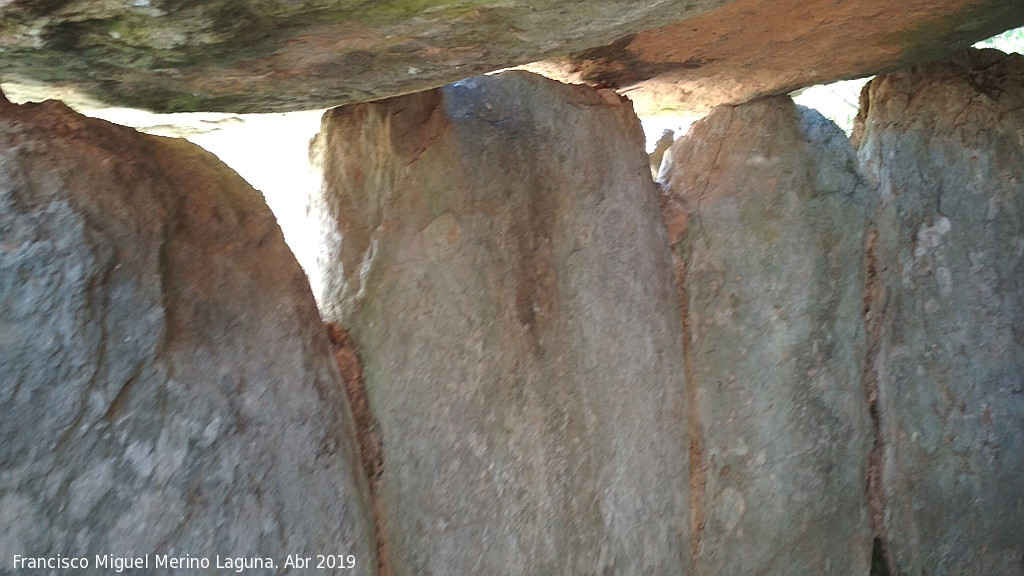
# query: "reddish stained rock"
[[751, 48]]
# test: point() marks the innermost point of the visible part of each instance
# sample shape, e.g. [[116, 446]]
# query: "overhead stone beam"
[[279, 55], [284, 55], [752, 48]]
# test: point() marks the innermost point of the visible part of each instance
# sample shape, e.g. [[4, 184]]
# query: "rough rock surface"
[[283, 55], [167, 386], [749, 48], [766, 211], [942, 145], [495, 250]]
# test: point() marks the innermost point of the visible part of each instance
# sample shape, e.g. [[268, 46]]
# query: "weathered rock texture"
[[495, 250], [766, 210], [749, 48], [281, 55], [942, 146], [278, 55], [167, 386]]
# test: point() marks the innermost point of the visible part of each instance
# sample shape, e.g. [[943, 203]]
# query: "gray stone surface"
[[495, 250], [766, 211], [166, 386], [942, 146], [285, 55]]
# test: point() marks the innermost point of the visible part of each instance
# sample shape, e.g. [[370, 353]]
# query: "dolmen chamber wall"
[[767, 213], [793, 355], [495, 250], [166, 384], [943, 149], [779, 236]]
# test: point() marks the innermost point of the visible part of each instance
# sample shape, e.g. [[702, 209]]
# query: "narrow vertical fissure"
[[881, 562], [694, 432], [368, 435], [695, 435]]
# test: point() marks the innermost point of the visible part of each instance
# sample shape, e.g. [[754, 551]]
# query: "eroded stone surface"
[[285, 55], [167, 385], [766, 211], [495, 250], [942, 146], [751, 48]]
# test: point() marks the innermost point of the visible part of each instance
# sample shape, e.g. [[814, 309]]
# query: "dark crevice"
[[698, 470], [879, 559], [873, 313], [694, 432], [368, 434], [617, 65]]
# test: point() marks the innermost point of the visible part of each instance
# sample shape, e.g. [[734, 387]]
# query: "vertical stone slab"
[[942, 146], [166, 385], [495, 250], [765, 209]]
